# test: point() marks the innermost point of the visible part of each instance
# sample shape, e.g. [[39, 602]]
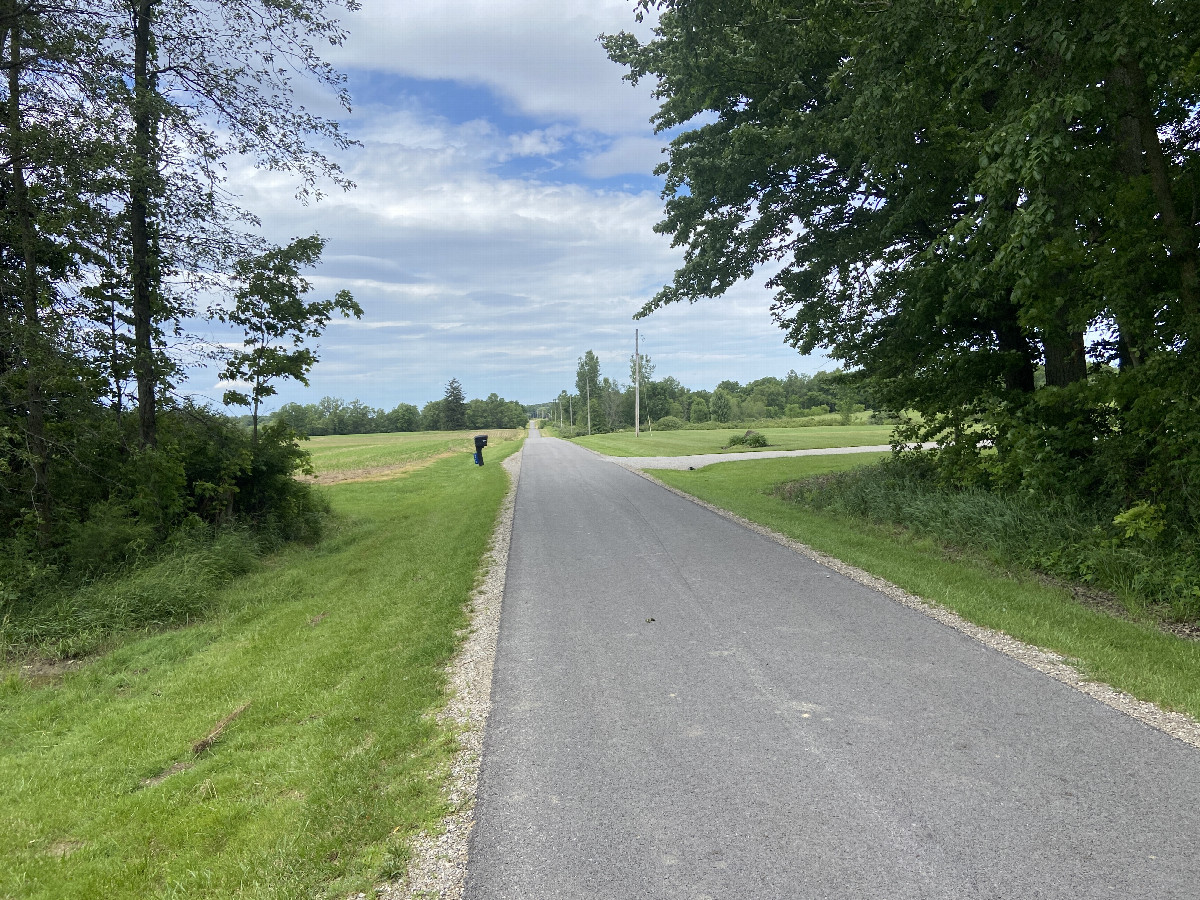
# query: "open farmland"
[[688, 443], [363, 457]]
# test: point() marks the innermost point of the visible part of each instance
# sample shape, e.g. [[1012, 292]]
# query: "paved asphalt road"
[[683, 708]]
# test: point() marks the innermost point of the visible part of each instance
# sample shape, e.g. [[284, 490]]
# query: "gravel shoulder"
[[438, 865], [700, 460]]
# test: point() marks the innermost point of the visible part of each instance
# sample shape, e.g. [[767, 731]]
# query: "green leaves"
[[270, 307], [947, 195]]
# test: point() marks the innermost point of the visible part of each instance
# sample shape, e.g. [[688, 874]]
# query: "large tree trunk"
[[1141, 151], [142, 177], [31, 344], [1066, 360], [1014, 343]]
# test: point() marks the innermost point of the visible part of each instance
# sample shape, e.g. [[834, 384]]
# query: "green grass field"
[[1133, 657], [350, 452], [687, 443], [313, 790]]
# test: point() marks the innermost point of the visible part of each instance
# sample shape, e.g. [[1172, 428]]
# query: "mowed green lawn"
[[349, 452], [1133, 657], [688, 443], [315, 789]]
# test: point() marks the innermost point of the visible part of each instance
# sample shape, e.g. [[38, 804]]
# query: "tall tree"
[[454, 407], [647, 368], [207, 84], [949, 195], [56, 137], [269, 305], [587, 375], [30, 282]]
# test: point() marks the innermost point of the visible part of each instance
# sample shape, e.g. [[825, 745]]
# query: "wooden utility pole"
[[637, 386], [589, 403]]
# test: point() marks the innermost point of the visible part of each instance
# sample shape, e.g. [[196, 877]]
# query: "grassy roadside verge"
[[314, 789], [1133, 657], [687, 443]]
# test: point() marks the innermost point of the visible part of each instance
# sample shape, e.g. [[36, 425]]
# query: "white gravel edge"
[[438, 865], [1178, 725], [700, 460]]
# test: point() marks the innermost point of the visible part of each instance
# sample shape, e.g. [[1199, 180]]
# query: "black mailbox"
[[480, 441]]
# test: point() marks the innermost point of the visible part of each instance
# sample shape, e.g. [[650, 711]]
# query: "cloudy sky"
[[502, 220]]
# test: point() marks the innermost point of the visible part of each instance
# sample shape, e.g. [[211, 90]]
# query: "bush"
[[795, 411], [669, 423], [176, 587], [1148, 567], [748, 439], [126, 519], [110, 538]]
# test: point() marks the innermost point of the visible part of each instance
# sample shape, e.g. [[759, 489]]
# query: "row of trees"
[[451, 413], [119, 118], [612, 402], [951, 196]]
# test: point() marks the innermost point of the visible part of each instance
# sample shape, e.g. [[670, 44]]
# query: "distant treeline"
[[334, 416], [612, 403]]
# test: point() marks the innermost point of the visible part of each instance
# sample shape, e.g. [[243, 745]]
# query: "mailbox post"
[[480, 443]]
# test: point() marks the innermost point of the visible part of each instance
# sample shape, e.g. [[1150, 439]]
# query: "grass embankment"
[[1132, 656], [313, 789], [344, 456], [688, 443]]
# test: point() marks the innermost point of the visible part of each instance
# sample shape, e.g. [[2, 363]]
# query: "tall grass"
[[175, 586], [1062, 536]]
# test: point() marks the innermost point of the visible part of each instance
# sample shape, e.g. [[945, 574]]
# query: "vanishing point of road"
[[683, 708]]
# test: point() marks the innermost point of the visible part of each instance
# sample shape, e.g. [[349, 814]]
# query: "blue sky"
[[503, 215]]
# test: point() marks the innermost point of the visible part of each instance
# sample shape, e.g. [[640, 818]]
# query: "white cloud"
[[543, 142], [502, 281], [542, 56], [625, 156]]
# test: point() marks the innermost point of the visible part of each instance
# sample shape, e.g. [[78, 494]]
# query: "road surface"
[[683, 708]]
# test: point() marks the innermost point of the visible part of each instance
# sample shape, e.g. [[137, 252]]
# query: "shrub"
[[669, 423], [1131, 554], [749, 439], [128, 521], [108, 539], [177, 587]]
